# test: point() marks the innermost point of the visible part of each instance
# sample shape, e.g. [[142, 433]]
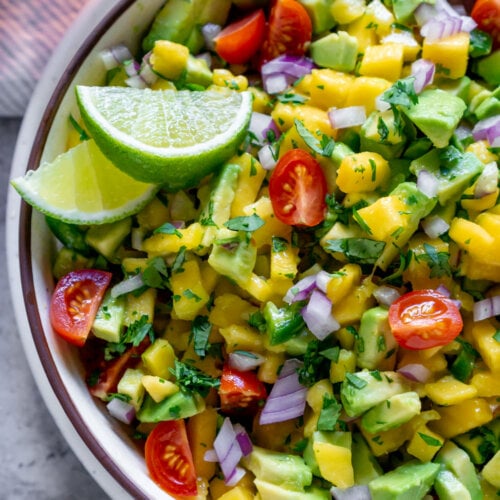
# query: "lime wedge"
[[82, 186], [168, 137]]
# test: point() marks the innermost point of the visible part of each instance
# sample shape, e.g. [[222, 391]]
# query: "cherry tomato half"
[[240, 390], [486, 13], [239, 41], [289, 30], [169, 458], [75, 302], [423, 319], [297, 188]]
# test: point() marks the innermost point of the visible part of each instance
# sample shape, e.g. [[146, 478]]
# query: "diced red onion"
[[131, 67], [121, 410], [318, 315], [147, 74], [210, 456], [424, 13], [487, 182], [415, 372], [243, 439], [468, 24], [235, 476], [423, 70], [263, 127], [487, 308], [127, 285], [267, 156], [434, 226], [463, 132], [386, 295], [352, 116], [294, 66], [359, 492], [244, 361], [137, 237], [486, 128], [443, 290], [227, 448], [136, 82], [113, 57], [427, 183], [441, 26], [287, 398], [322, 280], [301, 290], [209, 32], [276, 83]]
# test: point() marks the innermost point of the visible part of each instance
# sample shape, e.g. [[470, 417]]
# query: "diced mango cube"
[[230, 309], [242, 337], [383, 61], [317, 392], [487, 384], [364, 91], [284, 259], [158, 388], [473, 238], [449, 391], [342, 282], [345, 364], [313, 118], [268, 371], [159, 358], [449, 54], [165, 244], [139, 306], [335, 463], [424, 444], [237, 493], [347, 11], [224, 78], [482, 150], [329, 88], [153, 215], [483, 334], [169, 59], [350, 309]]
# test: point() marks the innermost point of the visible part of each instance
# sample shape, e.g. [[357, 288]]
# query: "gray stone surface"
[[36, 463]]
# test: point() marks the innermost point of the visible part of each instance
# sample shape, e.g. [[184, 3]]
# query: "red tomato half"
[[75, 302], [297, 188], [289, 30], [239, 41], [423, 319], [169, 458], [240, 390], [486, 13]]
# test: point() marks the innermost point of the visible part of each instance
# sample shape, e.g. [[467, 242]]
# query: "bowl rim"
[[30, 309]]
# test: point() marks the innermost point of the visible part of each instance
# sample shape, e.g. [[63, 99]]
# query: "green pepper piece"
[[283, 323], [464, 363]]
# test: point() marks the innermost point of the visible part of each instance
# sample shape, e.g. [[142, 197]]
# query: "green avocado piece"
[[106, 238], [489, 107], [403, 9], [491, 470], [270, 490], [488, 68], [178, 405], [284, 470], [365, 389], [409, 481], [457, 461], [336, 51], [319, 12], [375, 339], [338, 438], [448, 487], [108, 322], [366, 467], [437, 114], [393, 412], [459, 87]]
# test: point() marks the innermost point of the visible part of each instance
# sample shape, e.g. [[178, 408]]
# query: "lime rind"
[[173, 167], [56, 188]]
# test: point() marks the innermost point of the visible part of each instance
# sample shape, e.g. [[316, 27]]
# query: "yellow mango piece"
[[313, 118], [411, 48], [165, 244], [218, 487], [159, 358], [317, 392], [476, 270], [349, 310], [342, 282], [169, 59], [387, 441], [437, 363], [345, 364], [424, 444], [189, 295], [483, 340], [462, 417], [273, 436], [177, 332], [158, 388], [385, 217], [224, 78], [449, 391], [329, 88], [153, 215], [364, 91], [491, 223], [449, 54], [134, 264], [479, 204], [249, 182], [383, 61], [139, 306], [284, 259], [268, 371], [347, 11], [163, 84], [363, 29], [238, 493], [482, 150], [362, 172], [335, 463], [230, 309], [474, 239], [490, 470], [201, 430], [208, 364], [242, 337], [486, 383]]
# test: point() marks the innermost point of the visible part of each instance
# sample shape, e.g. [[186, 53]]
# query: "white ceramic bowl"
[[98, 440]]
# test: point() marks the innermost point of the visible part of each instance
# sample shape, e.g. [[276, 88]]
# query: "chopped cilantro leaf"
[[168, 228], [329, 413], [323, 147], [155, 275], [431, 441], [357, 250], [245, 223], [355, 381], [192, 380], [200, 332]]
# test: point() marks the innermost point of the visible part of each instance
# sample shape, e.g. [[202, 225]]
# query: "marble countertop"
[[35, 460]]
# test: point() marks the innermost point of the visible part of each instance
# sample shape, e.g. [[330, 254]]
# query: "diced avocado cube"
[[393, 412], [457, 461], [403, 9], [448, 487], [109, 320], [319, 12], [270, 490], [106, 238], [337, 438], [488, 68], [459, 87], [375, 341], [338, 51], [198, 72], [174, 407], [366, 467], [437, 114], [489, 107], [68, 260], [491, 471], [407, 482], [479, 443], [365, 389], [282, 469]]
